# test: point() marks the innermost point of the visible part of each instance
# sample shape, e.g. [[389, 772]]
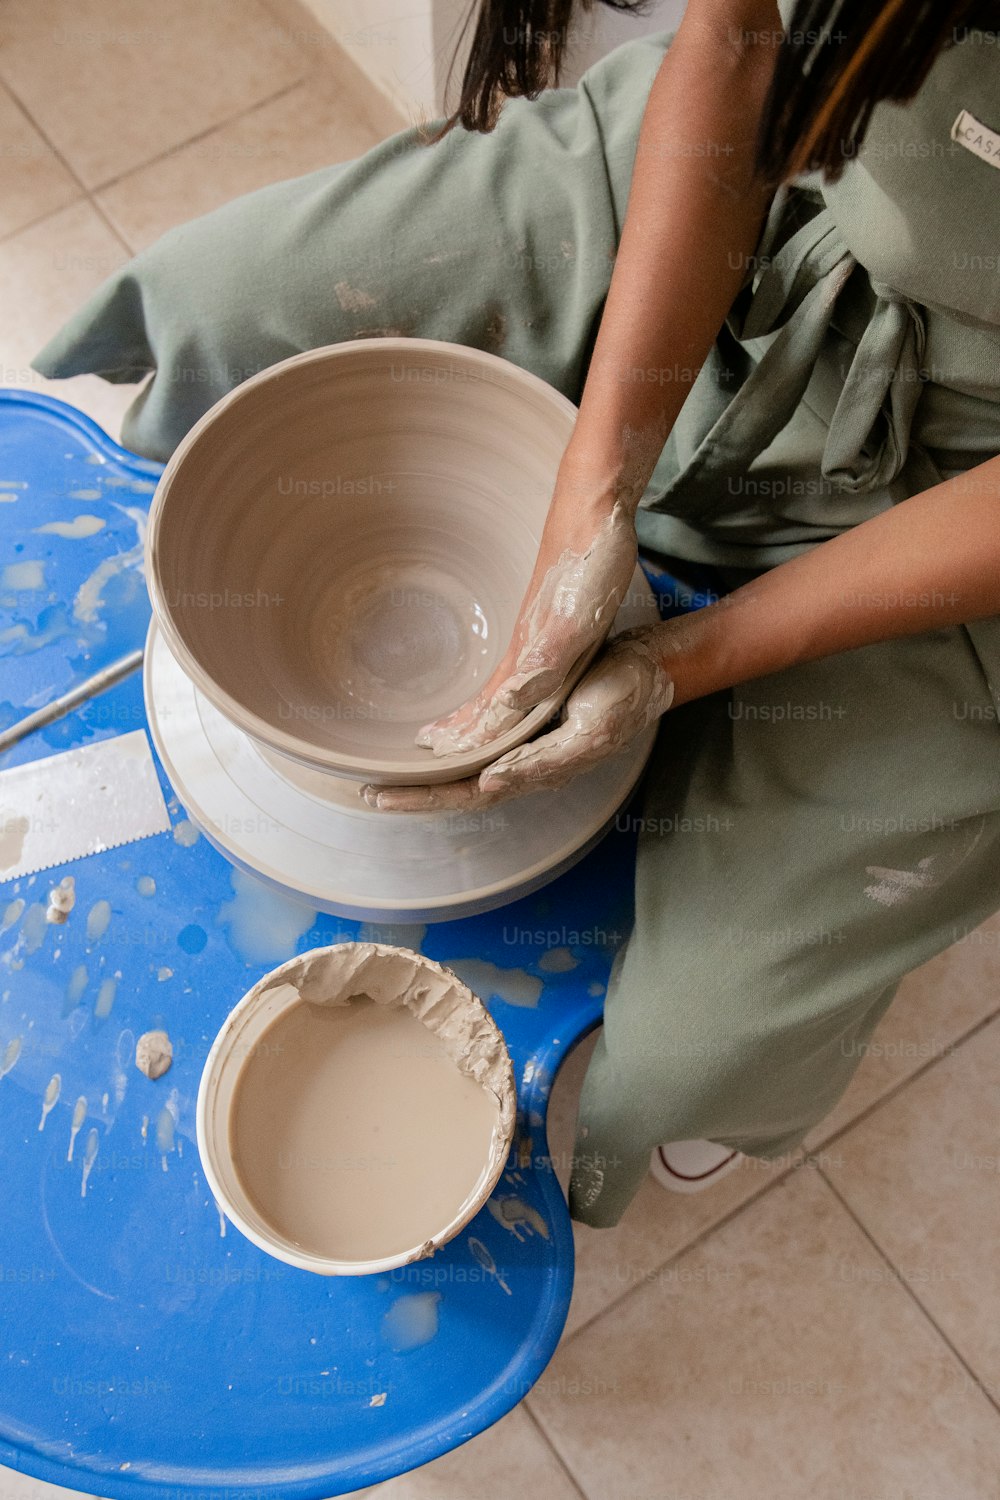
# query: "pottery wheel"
[[309, 834]]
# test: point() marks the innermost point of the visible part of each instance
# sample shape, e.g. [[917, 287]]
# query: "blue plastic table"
[[148, 1348]]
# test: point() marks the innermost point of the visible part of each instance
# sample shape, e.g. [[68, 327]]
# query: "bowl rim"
[[223, 1053], [456, 765]]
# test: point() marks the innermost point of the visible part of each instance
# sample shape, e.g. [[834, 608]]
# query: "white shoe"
[[691, 1166]]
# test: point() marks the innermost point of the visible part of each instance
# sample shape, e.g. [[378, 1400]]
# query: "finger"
[[449, 723], [542, 666], [491, 721], [525, 690], [551, 661], [569, 676], [549, 761], [425, 734], [449, 796]]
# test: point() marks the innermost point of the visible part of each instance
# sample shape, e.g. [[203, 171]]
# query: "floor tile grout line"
[[810, 1158], [90, 189], [903, 1083], [84, 191], [692, 1244], [200, 135], [89, 194], [554, 1450], [109, 224], [50, 213], [901, 1281], [36, 126]]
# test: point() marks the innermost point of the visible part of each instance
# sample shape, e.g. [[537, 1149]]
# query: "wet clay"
[[627, 690], [62, 899], [353, 1131], [154, 1053], [576, 602]]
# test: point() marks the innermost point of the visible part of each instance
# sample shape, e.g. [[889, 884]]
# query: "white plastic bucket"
[[389, 975]]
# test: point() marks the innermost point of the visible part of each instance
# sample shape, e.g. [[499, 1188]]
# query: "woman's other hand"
[[626, 689]]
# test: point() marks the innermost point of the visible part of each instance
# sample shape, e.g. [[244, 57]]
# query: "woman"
[[796, 378]]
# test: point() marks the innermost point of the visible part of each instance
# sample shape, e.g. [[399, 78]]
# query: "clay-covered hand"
[[626, 689], [572, 602]]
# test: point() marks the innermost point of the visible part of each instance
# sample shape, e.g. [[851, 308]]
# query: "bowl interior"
[[339, 549], [251, 1037]]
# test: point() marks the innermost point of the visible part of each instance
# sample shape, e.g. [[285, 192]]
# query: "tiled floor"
[[118, 119], [824, 1327]]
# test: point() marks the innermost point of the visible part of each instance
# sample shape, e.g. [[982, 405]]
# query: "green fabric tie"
[[869, 436], [791, 302]]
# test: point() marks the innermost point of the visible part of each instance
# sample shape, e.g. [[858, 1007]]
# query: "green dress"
[[805, 839]]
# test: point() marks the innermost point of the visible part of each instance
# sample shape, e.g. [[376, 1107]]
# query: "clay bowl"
[[337, 551], [459, 1028]]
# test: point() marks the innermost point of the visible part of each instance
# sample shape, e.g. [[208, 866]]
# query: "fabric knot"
[[869, 435]]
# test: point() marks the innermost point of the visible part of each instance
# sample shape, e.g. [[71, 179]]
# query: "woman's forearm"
[[694, 216], [930, 561]]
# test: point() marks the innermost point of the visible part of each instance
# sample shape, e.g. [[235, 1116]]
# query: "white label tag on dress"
[[977, 138]]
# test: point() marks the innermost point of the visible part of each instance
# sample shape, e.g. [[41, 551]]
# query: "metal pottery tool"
[[59, 707], [79, 802]]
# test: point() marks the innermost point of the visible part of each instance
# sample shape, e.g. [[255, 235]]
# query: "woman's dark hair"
[[838, 59], [518, 47]]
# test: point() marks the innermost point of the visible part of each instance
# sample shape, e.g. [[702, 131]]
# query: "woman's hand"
[[626, 689], [929, 562], [585, 565]]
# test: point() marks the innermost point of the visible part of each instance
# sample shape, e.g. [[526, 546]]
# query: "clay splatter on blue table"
[[411, 1321], [490, 982]]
